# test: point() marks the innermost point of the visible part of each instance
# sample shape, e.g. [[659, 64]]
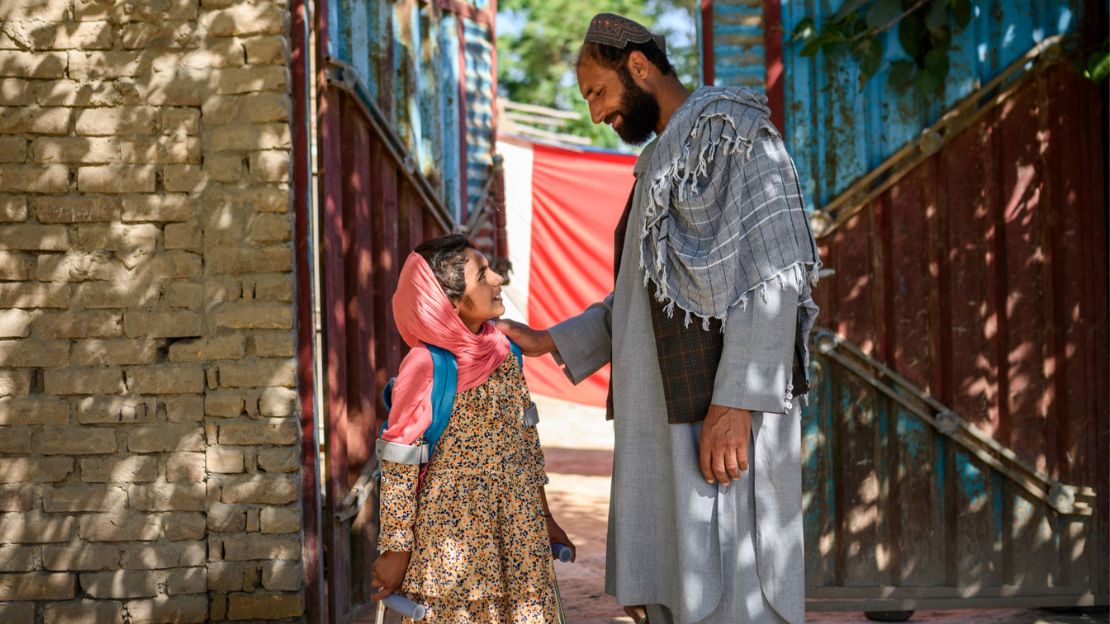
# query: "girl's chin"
[[498, 310]]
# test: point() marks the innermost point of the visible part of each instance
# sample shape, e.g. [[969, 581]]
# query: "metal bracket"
[[948, 422], [359, 493]]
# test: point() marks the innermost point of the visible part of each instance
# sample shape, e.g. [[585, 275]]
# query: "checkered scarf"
[[724, 214]]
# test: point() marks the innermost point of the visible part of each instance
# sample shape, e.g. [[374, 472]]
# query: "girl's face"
[[481, 300]]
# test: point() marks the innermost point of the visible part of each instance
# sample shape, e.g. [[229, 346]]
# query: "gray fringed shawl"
[[724, 214]]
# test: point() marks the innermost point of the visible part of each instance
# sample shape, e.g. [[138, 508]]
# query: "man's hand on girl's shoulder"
[[532, 342], [389, 572]]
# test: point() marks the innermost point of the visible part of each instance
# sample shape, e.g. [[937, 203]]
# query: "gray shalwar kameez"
[[697, 553]]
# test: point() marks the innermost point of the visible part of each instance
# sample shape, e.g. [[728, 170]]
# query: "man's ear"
[[639, 65]]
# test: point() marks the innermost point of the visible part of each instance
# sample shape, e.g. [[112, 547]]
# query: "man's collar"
[[644, 159]]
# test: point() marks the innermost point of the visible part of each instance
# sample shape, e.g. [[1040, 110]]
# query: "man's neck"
[[670, 97]]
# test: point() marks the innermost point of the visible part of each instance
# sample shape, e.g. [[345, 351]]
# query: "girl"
[[471, 539]]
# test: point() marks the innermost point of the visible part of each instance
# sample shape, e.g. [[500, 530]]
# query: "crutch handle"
[[562, 552], [405, 607]]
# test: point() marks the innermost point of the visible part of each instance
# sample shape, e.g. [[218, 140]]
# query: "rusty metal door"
[[374, 214], [403, 155], [956, 448]]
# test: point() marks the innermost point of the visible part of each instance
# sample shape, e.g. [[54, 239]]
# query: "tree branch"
[[887, 26]]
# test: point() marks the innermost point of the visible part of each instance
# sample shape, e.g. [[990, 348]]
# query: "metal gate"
[[977, 271], [403, 134], [957, 444], [909, 507]]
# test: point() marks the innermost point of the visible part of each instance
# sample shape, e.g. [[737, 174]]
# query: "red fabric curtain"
[[577, 199]]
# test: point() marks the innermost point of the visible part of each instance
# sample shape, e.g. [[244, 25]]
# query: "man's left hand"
[[723, 451]]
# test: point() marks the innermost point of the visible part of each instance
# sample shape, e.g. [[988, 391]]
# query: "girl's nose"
[[498, 279]]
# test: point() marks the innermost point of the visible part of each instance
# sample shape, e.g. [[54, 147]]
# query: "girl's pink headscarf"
[[424, 315]]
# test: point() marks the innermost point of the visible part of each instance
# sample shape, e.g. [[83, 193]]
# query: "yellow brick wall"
[[149, 445]]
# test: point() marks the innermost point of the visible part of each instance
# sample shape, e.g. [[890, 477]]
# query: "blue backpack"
[[445, 383]]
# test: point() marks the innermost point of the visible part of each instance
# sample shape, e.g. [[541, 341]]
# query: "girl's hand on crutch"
[[389, 572], [557, 535]]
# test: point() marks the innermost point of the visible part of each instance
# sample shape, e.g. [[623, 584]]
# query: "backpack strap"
[[445, 381], [531, 414], [515, 348], [385, 450], [387, 396], [444, 386]]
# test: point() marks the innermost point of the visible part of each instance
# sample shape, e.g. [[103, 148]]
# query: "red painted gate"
[[964, 471], [374, 199]]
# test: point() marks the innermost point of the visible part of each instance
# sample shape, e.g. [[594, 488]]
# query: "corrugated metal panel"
[[449, 104], [402, 71], [439, 134], [425, 47], [837, 133], [738, 56], [360, 44], [408, 56], [980, 277], [479, 109]]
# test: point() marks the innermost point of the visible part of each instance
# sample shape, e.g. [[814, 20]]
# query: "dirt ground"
[[578, 447]]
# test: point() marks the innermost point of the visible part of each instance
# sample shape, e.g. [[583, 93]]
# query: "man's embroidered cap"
[[616, 31]]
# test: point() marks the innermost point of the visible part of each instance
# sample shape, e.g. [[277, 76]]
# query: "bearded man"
[[706, 329]]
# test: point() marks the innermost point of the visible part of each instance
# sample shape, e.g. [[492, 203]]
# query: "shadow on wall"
[[968, 276]]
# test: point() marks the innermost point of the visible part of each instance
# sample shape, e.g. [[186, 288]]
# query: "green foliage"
[[1098, 63], [925, 29], [536, 64]]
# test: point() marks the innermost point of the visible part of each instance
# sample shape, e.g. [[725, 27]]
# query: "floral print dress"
[[480, 550]]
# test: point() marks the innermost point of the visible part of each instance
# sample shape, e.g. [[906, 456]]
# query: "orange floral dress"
[[480, 551]]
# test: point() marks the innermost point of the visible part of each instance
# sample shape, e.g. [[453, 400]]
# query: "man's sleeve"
[[584, 343], [758, 355]]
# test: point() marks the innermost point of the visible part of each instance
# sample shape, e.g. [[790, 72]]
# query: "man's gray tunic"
[[709, 554]]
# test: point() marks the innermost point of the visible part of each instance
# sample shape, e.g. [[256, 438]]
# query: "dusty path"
[[578, 447]]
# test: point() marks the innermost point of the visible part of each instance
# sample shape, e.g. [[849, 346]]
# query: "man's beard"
[[639, 111]]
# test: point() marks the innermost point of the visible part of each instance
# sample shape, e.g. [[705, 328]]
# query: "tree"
[[537, 48]]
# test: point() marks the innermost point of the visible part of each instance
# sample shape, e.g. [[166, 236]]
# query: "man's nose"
[[595, 114]]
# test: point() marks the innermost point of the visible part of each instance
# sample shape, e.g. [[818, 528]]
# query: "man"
[[706, 329]]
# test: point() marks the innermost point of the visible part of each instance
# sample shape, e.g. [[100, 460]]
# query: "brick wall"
[[149, 467]]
